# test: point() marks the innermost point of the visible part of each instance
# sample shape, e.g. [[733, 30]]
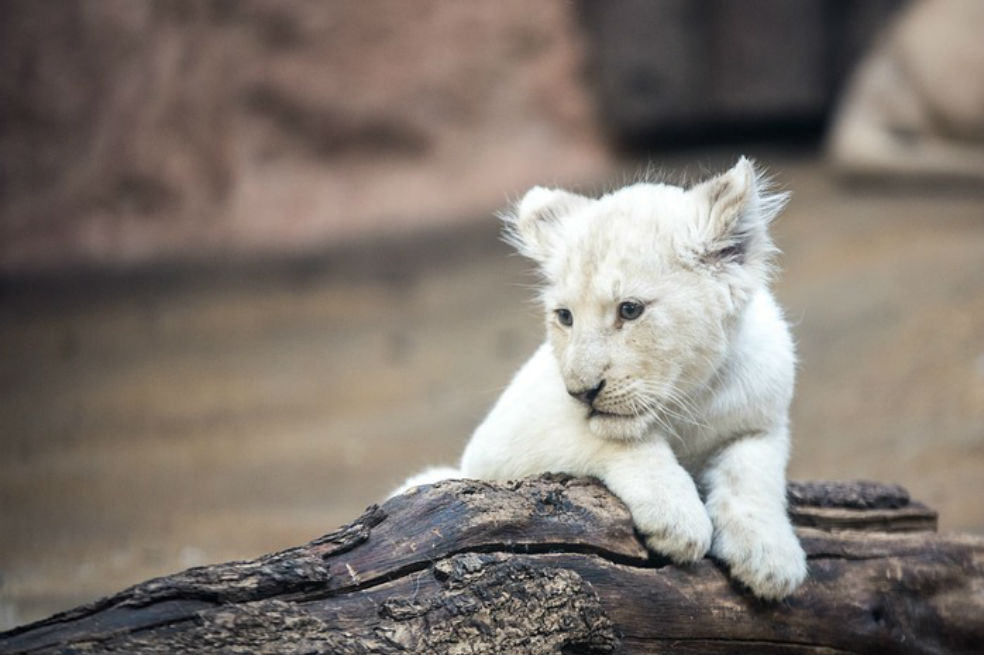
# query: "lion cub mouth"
[[617, 427], [593, 412]]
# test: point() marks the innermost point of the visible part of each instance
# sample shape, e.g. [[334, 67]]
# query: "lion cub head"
[[644, 287]]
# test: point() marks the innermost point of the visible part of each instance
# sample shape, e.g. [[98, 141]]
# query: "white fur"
[[690, 429]]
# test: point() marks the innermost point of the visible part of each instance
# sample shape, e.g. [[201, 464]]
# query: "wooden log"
[[550, 565]]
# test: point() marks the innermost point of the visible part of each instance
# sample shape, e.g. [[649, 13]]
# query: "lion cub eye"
[[564, 317], [630, 310]]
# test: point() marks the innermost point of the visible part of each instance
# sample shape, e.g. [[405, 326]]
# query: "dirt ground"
[[153, 423]]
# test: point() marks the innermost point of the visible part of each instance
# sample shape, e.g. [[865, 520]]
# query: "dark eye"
[[564, 317], [630, 310]]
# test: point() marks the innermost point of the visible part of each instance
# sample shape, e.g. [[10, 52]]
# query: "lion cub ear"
[[735, 210], [532, 227]]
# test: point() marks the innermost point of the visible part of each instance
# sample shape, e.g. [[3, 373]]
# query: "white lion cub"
[[667, 371]]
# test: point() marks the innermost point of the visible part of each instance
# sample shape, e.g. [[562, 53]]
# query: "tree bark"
[[550, 565]]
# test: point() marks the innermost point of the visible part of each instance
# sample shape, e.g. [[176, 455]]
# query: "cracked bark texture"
[[550, 565]]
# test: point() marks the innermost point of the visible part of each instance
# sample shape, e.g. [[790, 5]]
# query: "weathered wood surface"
[[550, 565]]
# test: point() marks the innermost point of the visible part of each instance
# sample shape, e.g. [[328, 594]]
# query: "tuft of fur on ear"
[[737, 208], [531, 226]]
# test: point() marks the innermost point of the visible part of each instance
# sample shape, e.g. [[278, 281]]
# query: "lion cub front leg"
[[662, 498], [746, 499]]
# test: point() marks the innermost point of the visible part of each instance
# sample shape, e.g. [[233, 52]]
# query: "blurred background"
[[250, 275]]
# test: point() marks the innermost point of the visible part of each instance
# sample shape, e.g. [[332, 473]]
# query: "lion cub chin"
[[667, 370]]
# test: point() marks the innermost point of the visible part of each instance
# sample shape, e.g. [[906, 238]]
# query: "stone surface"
[[915, 108], [217, 130]]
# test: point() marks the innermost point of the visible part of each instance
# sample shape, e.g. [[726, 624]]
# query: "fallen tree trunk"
[[550, 565]]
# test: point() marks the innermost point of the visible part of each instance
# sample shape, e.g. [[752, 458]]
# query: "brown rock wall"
[[160, 130]]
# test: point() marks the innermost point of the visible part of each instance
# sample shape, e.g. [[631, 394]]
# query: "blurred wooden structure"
[[672, 71]]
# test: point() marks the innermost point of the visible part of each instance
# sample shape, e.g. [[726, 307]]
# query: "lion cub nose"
[[587, 396]]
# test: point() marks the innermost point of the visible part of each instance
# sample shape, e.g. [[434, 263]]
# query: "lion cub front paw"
[[682, 533], [770, 562]]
